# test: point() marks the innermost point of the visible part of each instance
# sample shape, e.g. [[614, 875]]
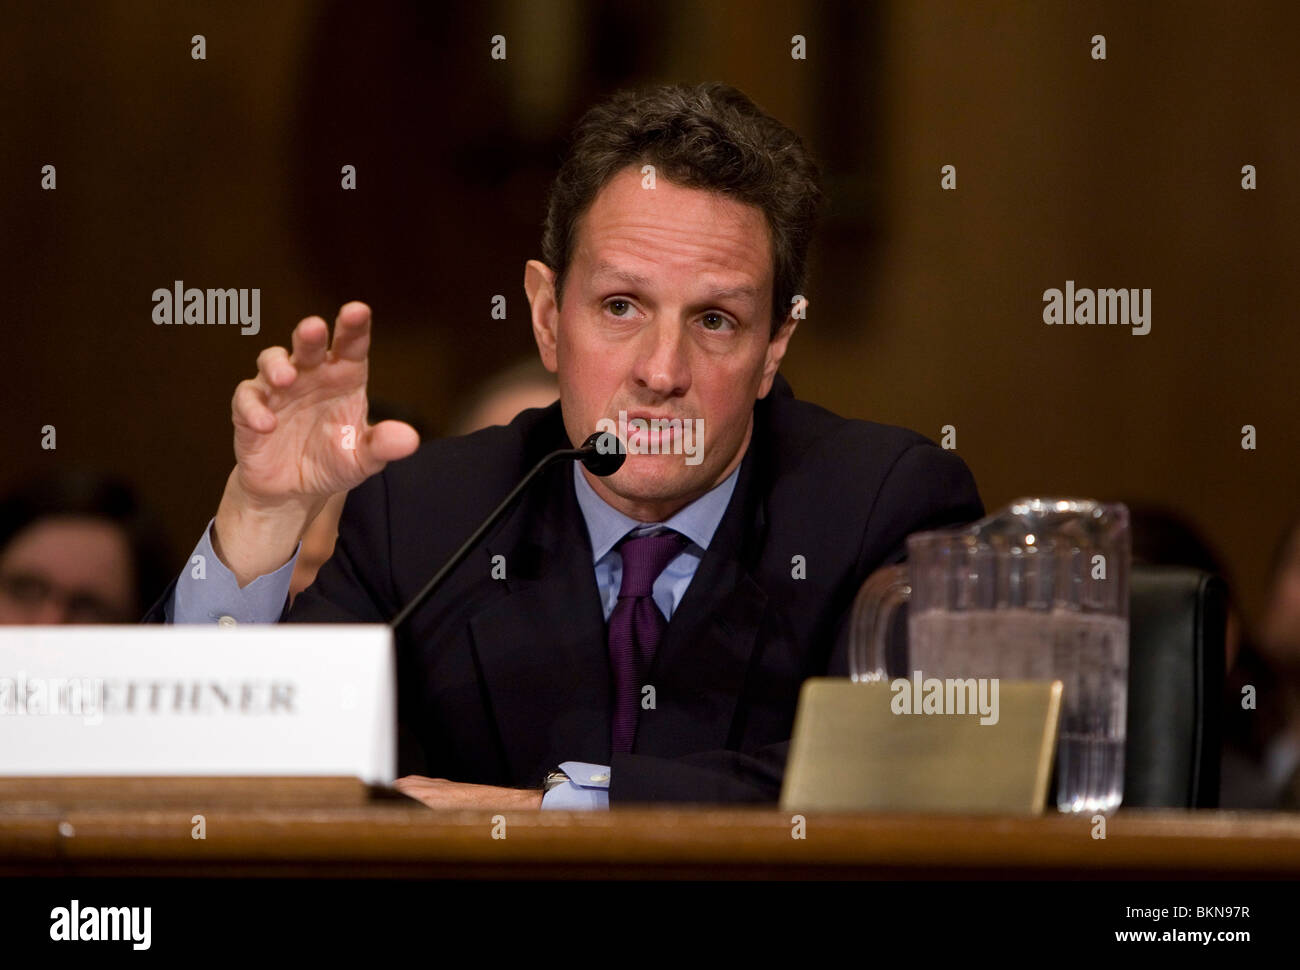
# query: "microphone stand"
[[602, 457]]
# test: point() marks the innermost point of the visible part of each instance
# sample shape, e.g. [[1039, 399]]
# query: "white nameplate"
[[258, 699]]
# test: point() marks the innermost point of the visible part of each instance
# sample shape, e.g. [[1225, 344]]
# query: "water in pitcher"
[[1088, 652]]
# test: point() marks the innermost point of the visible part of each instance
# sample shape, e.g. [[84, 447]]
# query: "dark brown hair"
[[706, 136]]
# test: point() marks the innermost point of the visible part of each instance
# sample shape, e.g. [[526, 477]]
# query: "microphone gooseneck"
[[602, 454]]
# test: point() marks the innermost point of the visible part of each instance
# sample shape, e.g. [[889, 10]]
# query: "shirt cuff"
[[207, 592], [587, 788]]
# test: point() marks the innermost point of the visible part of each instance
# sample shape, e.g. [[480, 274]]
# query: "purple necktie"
[[636, 626]]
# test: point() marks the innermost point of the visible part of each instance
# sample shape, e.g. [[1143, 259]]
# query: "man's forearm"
[[253, 541]]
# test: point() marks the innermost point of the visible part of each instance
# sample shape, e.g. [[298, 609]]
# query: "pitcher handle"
[[873, 611]]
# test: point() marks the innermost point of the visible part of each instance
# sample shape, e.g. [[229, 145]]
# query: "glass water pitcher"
[[1035, 591]]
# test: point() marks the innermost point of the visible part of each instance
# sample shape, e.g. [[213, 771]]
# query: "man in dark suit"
[[652, 627]]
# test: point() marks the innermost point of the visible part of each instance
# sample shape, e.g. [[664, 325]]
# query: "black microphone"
[[602, 454]]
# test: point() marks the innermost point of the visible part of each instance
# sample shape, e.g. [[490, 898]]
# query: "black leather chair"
[[1177, 619]]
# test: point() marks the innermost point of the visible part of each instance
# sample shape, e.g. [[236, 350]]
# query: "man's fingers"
[[408, 782], [422, 789], [248, 408], [352, 331], [310, 339], [274, 367], [441, 793]]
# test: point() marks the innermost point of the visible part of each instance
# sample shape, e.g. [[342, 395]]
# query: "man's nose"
[[663, 365]]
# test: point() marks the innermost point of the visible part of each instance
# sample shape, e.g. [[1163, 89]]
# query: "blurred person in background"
[[1162, 537], [524, 384], [1267, 734], [79, 547]]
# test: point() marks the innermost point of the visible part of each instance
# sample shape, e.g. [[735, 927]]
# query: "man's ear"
[[776, 348], [539, 284]]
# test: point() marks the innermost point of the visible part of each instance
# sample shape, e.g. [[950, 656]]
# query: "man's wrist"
[[252, 541]]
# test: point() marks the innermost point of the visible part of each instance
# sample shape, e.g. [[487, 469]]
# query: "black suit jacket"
[[502, 679]]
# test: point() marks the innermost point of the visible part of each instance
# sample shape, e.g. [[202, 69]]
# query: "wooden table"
[[336, 827]]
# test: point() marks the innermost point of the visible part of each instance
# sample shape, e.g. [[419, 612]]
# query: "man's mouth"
[[656, 428], [658, 433]]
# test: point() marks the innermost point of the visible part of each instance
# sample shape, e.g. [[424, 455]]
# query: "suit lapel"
[[700, 667], [541, 647]]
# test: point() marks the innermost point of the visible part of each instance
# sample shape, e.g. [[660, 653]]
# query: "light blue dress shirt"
[[208, 592]]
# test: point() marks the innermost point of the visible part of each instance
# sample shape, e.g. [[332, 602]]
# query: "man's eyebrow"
[[610, 271], [742, 292]]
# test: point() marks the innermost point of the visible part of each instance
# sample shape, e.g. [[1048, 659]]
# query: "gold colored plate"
[[852, 752]]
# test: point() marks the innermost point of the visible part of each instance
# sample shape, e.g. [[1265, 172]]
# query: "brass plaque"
[[893, 746]]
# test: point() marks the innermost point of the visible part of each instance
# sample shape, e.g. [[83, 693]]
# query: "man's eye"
[[619, 308], [715, 322]]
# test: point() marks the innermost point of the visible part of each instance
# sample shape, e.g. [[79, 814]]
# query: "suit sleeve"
[[355, 584], [926, 488], [709, 777]]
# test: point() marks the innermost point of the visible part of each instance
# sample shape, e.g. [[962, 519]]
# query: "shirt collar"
[[606, 525]]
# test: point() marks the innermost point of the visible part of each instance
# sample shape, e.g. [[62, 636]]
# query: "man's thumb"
[[390, 440]]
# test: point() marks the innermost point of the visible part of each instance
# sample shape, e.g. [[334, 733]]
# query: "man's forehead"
[[626, 196], [628, 230]]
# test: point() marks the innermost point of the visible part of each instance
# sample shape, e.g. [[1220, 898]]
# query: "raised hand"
[[300, 424], [300, 436]]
